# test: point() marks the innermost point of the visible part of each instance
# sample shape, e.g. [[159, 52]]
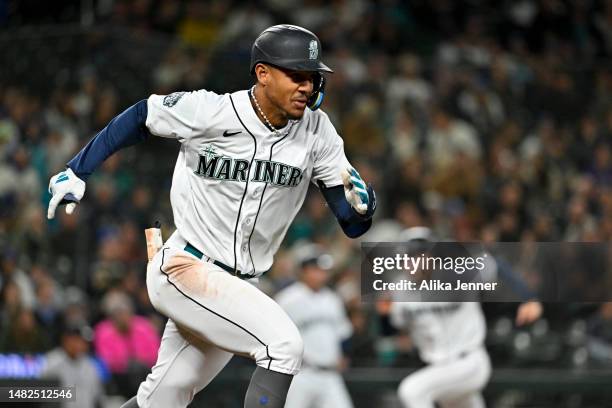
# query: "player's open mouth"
[[299, 104]]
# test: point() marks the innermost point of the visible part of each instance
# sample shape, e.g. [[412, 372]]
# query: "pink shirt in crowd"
[[117, 349]]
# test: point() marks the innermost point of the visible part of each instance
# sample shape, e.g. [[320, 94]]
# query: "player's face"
[[74, 345], [289, 91], [314, 277]]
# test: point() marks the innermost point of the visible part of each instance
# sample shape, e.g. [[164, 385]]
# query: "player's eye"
[[299, 77]]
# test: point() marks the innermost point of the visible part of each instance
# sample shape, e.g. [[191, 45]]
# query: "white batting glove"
[[65, 187], [355, 190]]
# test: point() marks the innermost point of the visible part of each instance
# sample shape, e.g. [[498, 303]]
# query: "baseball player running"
[[241, 176], [319, 314], [450, 339]]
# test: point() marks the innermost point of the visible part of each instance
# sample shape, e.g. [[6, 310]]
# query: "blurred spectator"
[[10, 300], [70, 244], [602, 165], [33, 240], [361, 346], [76, 308], [363, 129], [48, 310], [449, 138], [126, 343], [201, 24], [408, 85], [10, 271], [24, 335], [406, 139], [73, 367]]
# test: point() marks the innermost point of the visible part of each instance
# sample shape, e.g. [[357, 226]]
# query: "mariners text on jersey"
[[222, 167]]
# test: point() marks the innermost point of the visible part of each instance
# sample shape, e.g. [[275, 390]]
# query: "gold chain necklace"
[[263, 115]]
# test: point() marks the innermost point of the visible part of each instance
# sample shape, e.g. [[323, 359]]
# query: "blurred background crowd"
[[483, 120]]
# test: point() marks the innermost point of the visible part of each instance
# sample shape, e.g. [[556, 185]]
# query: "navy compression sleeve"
[[126, 129], [352, 223]]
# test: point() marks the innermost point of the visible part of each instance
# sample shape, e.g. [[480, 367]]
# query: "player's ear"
[[263, 73]]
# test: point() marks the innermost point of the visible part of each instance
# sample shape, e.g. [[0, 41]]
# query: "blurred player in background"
[[449, 337], [245, 164], [319, 314]]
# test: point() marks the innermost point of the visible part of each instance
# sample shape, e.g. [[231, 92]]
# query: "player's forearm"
[[352, 223], [126, 129]]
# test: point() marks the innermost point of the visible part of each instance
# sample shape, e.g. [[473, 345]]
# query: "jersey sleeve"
[[329, 156], [173, 115]]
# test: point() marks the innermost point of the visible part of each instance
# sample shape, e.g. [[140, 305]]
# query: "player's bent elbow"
[[353, 235], [355, 230]]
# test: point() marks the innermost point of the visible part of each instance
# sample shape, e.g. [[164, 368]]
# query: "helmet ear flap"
[[316, 99]]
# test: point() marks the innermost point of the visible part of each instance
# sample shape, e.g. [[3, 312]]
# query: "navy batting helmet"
[[288, 46]]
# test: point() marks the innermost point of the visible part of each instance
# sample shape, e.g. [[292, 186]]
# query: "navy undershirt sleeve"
[[126, 129], [352, 223]]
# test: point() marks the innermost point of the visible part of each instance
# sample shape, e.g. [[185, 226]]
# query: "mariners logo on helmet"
[[290, 47], [314, 50]]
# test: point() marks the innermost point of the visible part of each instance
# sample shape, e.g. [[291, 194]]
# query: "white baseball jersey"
[[323, 324], [236, 185], [321, 319], [441, 330]]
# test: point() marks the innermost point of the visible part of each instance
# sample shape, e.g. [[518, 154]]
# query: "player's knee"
[[287, 352], [411, 394]]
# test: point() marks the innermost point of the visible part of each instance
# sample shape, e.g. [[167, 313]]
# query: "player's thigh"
[[335, 392], [224, 310], [185, 365], [445, 381]]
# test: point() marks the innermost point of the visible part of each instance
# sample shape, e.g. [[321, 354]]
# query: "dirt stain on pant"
[[190, 274]]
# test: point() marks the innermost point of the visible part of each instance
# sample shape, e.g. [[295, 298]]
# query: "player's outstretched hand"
[[528, 312], [65, 188], [355, 190]]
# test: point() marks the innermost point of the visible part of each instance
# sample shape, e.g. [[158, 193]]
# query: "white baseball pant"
[[212, 315], [313, 388], [453, 384]]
